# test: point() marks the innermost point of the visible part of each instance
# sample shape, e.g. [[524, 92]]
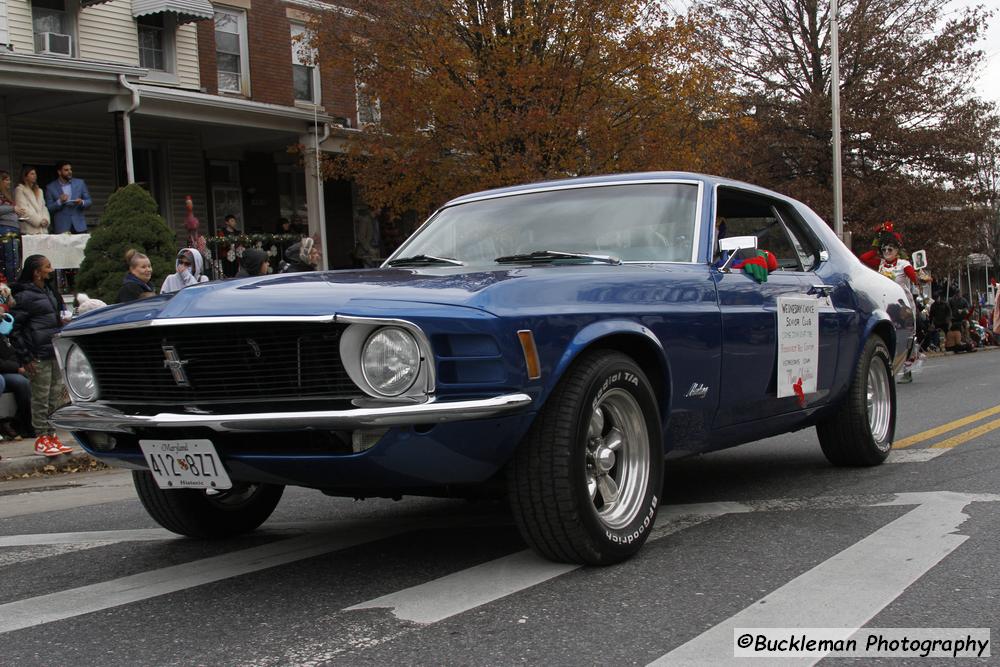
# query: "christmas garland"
[[252, 239], [231, 247]]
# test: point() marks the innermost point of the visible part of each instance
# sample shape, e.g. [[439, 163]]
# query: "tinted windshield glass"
[[645, 222]]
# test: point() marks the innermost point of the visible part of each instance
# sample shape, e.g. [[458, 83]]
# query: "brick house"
[[186, 97]]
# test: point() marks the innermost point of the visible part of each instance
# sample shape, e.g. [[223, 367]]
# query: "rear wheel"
[[584, 484], [860, 433], [207, 513]]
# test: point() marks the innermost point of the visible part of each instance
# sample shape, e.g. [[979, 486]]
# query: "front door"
[[750, 345]]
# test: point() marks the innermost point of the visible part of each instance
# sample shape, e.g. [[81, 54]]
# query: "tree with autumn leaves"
[[911, 123], [483, 93], [474, 94]]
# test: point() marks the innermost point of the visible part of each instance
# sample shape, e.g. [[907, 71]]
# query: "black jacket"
[[940, 313], [37, 318], [959, 307], [251, 263], [133, 289], [293, 261]]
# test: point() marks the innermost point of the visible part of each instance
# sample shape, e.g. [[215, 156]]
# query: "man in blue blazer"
[[67, 198]]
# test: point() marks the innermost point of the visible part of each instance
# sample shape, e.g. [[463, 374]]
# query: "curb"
[[26, 465]]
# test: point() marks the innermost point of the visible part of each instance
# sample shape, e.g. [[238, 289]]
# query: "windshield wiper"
[[420, 260], [550, 255]]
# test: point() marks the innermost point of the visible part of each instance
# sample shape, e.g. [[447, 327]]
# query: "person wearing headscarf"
[[189, 272], [253, 263]]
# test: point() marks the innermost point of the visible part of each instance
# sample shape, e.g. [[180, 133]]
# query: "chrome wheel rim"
[[617, 466], [879, 403]]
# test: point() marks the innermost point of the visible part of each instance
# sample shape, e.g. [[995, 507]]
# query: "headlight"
[[79, 375], [390, 361]]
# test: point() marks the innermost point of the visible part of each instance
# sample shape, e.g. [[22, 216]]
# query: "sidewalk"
[[18, 458]]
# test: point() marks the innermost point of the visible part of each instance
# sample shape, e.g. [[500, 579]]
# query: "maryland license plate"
[[185, 464]]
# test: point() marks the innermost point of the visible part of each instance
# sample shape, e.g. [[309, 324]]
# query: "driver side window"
[[749, 214]]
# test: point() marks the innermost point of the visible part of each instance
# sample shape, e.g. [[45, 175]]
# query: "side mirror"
[[736, 243], [733, 245]]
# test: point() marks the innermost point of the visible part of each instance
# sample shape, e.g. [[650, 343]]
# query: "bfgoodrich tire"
[[860, 433], [207, 514], [584, 484]]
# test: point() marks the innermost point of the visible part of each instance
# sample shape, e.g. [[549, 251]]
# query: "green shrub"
[[130, 220]]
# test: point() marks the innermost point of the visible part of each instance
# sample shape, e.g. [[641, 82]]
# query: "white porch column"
[[314, 197], [4, 32]]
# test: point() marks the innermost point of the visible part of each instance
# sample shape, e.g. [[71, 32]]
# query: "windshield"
[[640, 222]]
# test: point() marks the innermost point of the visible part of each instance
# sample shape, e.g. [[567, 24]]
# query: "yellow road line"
[[956, 440], [944, 428]]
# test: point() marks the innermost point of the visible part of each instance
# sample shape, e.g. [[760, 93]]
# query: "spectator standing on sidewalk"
[[38, 316], [10, 228], [29, 196], [255, 263], [229, 254], [67, 198], [957, 339], [302, 256], [137, 283], [189, 272]]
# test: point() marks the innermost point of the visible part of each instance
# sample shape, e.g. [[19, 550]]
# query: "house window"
[[231, 58], [54, 25], [305, 72], [156, 42], [369, 106], [292, 194]]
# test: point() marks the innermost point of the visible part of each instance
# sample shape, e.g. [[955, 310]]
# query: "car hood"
[[363, 291]]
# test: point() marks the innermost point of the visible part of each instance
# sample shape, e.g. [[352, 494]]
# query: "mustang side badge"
[[696, 391], [176, 365]]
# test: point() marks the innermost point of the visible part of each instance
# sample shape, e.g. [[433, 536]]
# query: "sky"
[[988, 85]]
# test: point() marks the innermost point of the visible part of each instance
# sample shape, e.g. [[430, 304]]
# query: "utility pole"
[[838, 197]]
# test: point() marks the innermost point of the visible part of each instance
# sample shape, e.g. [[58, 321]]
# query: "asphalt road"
[[766, 535]]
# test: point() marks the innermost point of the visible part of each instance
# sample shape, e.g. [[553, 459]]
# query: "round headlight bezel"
[[77, 367], [410, 340]]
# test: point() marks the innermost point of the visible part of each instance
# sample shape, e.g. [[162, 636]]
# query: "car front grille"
[[219, 362]]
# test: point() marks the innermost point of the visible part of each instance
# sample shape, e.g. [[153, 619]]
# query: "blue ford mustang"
[[558, 340]]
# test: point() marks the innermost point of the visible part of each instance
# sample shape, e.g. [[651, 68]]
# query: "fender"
[[897, 341], [597, 331]]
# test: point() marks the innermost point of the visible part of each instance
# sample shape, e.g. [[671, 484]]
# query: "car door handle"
[[822, 290]]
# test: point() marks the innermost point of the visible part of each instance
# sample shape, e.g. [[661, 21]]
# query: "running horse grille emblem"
[[175, 365]]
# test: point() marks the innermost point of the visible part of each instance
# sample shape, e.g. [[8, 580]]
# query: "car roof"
[[611, 179]]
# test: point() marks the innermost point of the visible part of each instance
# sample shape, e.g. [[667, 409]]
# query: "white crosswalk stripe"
[[846, 590], [936, 516]]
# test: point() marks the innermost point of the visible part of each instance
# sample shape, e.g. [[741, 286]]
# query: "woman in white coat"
[[30, 198]]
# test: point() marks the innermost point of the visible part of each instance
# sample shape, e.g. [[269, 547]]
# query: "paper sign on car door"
[[798, 345]]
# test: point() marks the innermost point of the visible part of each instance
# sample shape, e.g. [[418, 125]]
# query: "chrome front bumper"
[[95, 417]]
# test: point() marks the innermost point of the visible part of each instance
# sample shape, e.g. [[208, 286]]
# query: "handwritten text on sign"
[[798, 345]]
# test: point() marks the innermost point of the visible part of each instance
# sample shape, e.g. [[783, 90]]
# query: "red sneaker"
[[45, 447], [57, 443]]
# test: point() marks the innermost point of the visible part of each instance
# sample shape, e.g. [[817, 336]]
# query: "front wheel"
[[584, 484], [860, 433], [207, 513]]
